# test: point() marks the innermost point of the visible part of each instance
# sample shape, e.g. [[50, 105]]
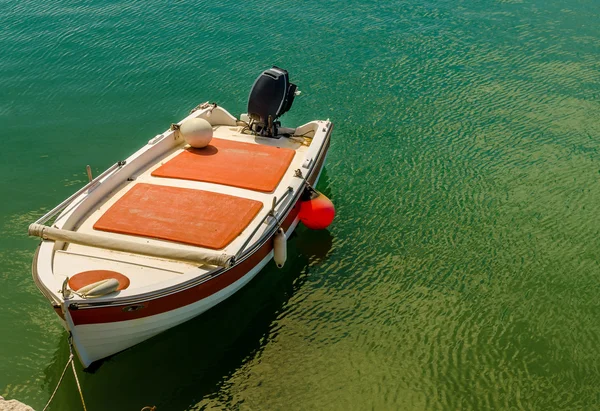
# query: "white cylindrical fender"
[[99, 288], [279, 248]]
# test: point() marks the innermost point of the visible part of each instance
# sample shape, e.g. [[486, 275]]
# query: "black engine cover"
[[271, 96]]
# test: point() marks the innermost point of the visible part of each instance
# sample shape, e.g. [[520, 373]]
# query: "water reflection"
[[316, 245], [187, 363]]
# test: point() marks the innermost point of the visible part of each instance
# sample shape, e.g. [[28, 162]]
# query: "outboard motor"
[[271, 96]]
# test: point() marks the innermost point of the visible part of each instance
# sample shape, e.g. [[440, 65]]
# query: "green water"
[[462, 269]]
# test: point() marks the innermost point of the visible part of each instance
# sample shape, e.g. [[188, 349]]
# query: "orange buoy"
[[317, 211]]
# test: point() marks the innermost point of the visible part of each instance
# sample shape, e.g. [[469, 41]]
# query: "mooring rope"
[[75, 372], [70, 361], [58, 385], [62, 376]]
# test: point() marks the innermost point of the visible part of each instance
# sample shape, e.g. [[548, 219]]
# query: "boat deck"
[[177, 201]]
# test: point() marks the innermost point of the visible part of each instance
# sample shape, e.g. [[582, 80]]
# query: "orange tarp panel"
[[195, 217], [231, 163]]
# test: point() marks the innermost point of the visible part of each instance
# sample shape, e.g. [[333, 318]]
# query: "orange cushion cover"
[[232, 163], [183, 215]]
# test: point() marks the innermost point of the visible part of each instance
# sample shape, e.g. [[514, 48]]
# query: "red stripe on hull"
[[188, 296]]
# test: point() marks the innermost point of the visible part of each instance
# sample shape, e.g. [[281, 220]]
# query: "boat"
[[183, 223]]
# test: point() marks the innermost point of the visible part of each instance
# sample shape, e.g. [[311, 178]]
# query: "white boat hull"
[[96, 341]]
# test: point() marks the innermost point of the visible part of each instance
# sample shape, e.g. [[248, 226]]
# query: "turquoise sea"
[[462, 270]]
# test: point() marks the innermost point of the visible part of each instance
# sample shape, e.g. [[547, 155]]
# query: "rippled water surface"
[[462, 269]]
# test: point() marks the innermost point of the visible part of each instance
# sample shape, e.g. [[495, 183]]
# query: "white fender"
[[279, 248], [197, 132], [99, 288]]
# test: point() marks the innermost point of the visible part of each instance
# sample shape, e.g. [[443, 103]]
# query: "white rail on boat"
[[94, 240]]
